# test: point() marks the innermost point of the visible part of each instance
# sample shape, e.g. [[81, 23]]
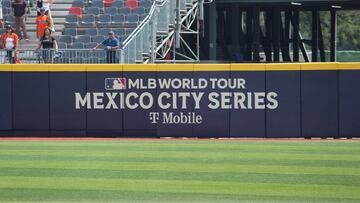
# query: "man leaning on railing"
[[111, 44]]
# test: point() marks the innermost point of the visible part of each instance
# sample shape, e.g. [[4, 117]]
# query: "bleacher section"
[[90, 22]]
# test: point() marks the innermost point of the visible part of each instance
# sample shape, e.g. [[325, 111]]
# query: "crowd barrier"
[[181, 100]]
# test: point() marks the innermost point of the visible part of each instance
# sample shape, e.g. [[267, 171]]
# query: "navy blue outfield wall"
[[187, 100]]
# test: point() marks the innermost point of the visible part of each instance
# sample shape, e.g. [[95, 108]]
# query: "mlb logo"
[[115, 83]]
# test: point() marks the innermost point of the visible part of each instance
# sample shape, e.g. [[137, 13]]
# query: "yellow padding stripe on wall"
[[176, 67]]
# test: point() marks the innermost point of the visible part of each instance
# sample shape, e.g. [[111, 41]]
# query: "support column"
[[249, 35], [235, 25], [212, 31], [333, 35], [256, 14], [321, 43], [268, 36], [315, 35], [276, 34], [285, 48], [296, 31]]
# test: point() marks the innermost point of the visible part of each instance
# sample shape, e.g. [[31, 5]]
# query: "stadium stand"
[[80, 24]]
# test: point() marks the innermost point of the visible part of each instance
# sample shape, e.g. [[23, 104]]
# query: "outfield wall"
[[183, 100]]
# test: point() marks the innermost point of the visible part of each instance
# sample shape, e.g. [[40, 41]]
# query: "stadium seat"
[[104, 31], [118, 19], [98, 3], [90, 45], [132, 4], [110, 10], [124, 11], [145, 4], [77, 45], [71, 20], [132, 18], [62, 45], [9, 20], [97, 38], [83, 38], [107, 3], [118, 4], [88, 20], [68, 39], [91, 31], [78, 3], [139, 10], [93, 10], [76, 11], [103, 20], [119, 31], [70, 31], [142, 17]]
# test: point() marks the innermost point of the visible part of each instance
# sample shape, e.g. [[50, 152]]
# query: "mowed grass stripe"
[[329, 148], [185, 154], [171, 175], [198, 167], [189, 159], [25, 195], [207, 187]]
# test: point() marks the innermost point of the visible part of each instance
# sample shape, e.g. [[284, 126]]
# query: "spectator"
[[18, 11], [45, 4], [47, 43], [111, 44], [42, 22], [10, 42]]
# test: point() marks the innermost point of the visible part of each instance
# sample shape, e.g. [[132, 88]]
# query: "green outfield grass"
[[179, 171]]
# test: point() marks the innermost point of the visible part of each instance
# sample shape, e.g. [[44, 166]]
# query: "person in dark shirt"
[[18, 11], [111, 44], [48, 44]]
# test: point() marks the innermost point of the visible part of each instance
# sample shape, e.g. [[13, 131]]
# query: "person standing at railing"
[[48, 44], [111, 44], [10, 42], [42, 22], [18, 11]]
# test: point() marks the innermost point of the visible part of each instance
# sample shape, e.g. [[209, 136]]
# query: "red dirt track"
[[176, 139]]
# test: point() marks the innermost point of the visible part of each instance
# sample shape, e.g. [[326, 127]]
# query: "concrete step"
[[63, 2], [58, 6], [54, 14], [32, 27]]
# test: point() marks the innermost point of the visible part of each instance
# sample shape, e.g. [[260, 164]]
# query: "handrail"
[[143, 22]]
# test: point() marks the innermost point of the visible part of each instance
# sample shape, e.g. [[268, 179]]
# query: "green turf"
[[179, 171]]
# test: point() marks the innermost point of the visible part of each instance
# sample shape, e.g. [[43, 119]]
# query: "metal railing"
[[140, 45], [65, 56]]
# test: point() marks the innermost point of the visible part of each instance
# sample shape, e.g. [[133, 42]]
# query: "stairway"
[[59, 10]]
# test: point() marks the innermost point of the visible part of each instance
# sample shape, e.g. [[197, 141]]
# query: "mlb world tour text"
[[177, 94]]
